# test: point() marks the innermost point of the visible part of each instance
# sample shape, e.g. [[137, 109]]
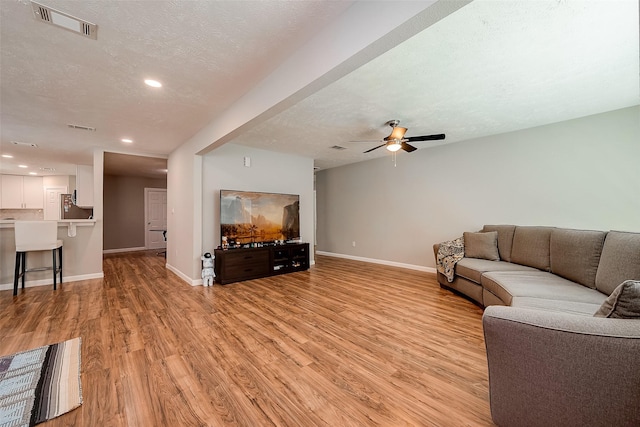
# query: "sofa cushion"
[[505, 239], [575, 254], [623, 303], [531, 247], [473, 268], [561, 306], [620, 260], [481, 245], [538, 284]]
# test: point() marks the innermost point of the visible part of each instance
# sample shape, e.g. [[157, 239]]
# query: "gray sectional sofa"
[[551, 362]]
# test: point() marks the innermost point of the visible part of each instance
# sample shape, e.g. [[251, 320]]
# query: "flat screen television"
[[254, 217]]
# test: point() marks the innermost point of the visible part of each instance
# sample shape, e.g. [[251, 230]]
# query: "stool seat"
[[33, 236], [35, 247]]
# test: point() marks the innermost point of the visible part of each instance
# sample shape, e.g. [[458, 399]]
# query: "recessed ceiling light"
[[127, 140], [7, 156], [23, 166], [153, 83], [33, 173]]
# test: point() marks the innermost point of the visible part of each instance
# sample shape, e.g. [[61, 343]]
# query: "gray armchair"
[[559, 369]]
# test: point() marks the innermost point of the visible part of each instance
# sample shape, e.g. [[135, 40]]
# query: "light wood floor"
[[344, 344]]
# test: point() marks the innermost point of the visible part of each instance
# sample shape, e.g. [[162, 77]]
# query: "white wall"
[[92, 257], [581, 173], [184, 216], [270, 172]]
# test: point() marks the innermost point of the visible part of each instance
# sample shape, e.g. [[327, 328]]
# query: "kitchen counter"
[[82, 253], [8, 223]]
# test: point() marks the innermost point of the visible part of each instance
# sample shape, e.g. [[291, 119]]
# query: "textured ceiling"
[[491, 67], [206, 53]]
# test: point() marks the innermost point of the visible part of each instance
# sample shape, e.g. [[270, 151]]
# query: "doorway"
[[125, 212]]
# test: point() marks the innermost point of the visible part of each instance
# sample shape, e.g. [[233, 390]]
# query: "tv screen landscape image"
[[254, 217]]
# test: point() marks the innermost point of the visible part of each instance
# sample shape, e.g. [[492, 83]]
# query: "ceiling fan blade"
[[408, 148], [375, 148], [425, 137]]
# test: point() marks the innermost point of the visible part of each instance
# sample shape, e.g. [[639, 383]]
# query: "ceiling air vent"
[[72, 126], [337, 147], [63, 20]]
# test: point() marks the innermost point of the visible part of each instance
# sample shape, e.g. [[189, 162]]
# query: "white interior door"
[[52, 202], [156, 217]]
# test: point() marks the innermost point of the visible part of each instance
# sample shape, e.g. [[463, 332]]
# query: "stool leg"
[[54, 269], [60, 257], [16, 275], [23, 267]]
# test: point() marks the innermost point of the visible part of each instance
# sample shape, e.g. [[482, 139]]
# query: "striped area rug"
[[40, 384]]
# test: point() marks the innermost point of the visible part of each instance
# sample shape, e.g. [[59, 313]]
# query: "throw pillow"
[[623, 303], [481, 245]]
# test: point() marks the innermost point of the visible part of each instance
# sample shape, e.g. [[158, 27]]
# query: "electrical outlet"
[[353, 243]]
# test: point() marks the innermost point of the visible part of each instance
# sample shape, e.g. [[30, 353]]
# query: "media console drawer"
[[244, 272], [257, 256], [235, 265]]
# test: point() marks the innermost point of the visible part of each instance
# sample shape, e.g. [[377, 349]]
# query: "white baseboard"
[[115, 251], [380, 261], [49, 282], [180, 274]]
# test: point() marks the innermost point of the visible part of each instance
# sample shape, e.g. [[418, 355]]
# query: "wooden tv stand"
[[235, 265]]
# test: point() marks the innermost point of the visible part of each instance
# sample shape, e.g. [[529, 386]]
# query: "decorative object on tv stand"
[[250, 219]]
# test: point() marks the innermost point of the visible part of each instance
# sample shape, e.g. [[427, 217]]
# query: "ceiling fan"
[[397, 140]]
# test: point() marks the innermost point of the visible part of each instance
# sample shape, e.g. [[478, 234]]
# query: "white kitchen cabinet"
[[12, 191], [84, 186], [22, 192]]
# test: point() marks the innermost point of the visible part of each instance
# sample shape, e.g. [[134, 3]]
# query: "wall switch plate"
[[247, 162]]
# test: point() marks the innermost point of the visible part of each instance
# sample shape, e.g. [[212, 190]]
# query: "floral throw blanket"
[[449, 253]]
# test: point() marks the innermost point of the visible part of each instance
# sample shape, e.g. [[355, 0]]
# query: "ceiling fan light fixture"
[[397, 134], [394, 146]]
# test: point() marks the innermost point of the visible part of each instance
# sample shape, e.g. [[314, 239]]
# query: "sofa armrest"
[[436, 246], [548, 368]]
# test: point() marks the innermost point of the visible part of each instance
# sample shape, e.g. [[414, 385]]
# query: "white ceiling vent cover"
[[25, 144], [63, 20], [81, 127]]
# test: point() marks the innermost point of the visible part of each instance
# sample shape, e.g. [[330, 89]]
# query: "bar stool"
[[34, 236]]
